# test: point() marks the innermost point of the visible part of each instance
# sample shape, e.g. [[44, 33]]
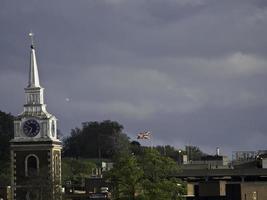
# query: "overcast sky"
[[190, 71]]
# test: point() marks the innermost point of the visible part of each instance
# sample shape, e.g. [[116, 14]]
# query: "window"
[[31, 165], [56, 166]]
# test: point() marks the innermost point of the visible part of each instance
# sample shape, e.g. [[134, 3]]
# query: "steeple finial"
[[33, 76], [31, 34]]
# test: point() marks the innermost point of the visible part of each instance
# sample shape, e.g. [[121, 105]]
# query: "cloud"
[[191, 71], [232, 65]]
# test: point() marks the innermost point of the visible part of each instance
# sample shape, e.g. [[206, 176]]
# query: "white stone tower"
[[35, 148]]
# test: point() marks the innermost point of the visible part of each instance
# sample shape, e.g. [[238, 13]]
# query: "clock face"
[[31, 128]]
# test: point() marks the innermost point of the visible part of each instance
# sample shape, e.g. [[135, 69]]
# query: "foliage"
[[139, 172], [96, 140], [5, 173], [6, 133], [146, 177], [76, 169], [126, 177], [194, 153], [170, 152], [136, 148], [167, 151], [158, 171], [156, 166]]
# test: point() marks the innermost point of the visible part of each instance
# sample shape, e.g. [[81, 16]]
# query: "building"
[[222, 190], [214, 178], [35, 148], [207, 162]]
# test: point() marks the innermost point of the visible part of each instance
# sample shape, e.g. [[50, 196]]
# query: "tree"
[[6, 133], [194, 153], [158, 172], [75, 170], [5, 171], [147, 176], [170, 152], [126, 177], [96, 140], [136, 148]]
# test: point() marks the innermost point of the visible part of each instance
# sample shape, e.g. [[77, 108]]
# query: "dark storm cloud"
[[191, 71]]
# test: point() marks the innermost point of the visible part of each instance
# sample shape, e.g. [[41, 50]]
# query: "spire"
[[33, 76]]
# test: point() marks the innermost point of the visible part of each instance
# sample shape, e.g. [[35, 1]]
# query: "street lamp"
[[180, 156]]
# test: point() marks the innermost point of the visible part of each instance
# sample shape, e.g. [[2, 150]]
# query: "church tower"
[[35, 148]]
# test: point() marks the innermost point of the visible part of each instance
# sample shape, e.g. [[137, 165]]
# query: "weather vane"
[[31, 34]]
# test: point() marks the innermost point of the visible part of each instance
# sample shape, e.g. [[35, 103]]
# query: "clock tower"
[[35, 148]]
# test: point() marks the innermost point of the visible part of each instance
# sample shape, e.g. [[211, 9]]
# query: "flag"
[[144, 135]]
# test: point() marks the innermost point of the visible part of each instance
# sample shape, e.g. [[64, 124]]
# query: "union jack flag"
[[144, 135]]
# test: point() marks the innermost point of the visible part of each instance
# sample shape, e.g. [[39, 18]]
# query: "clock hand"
[[27, 125], [29, 128]]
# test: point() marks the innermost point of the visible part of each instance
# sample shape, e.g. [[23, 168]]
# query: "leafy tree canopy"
[[126, 176], [6, 133], [158, 171], [75, 170], [5, 173], [194, 153], [145, 177], [96, 140]]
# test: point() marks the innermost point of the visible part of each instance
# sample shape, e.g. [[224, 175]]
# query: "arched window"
[[31, 165], [56, 166]]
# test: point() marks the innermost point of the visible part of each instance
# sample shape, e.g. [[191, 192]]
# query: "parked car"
[[99, 196]]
